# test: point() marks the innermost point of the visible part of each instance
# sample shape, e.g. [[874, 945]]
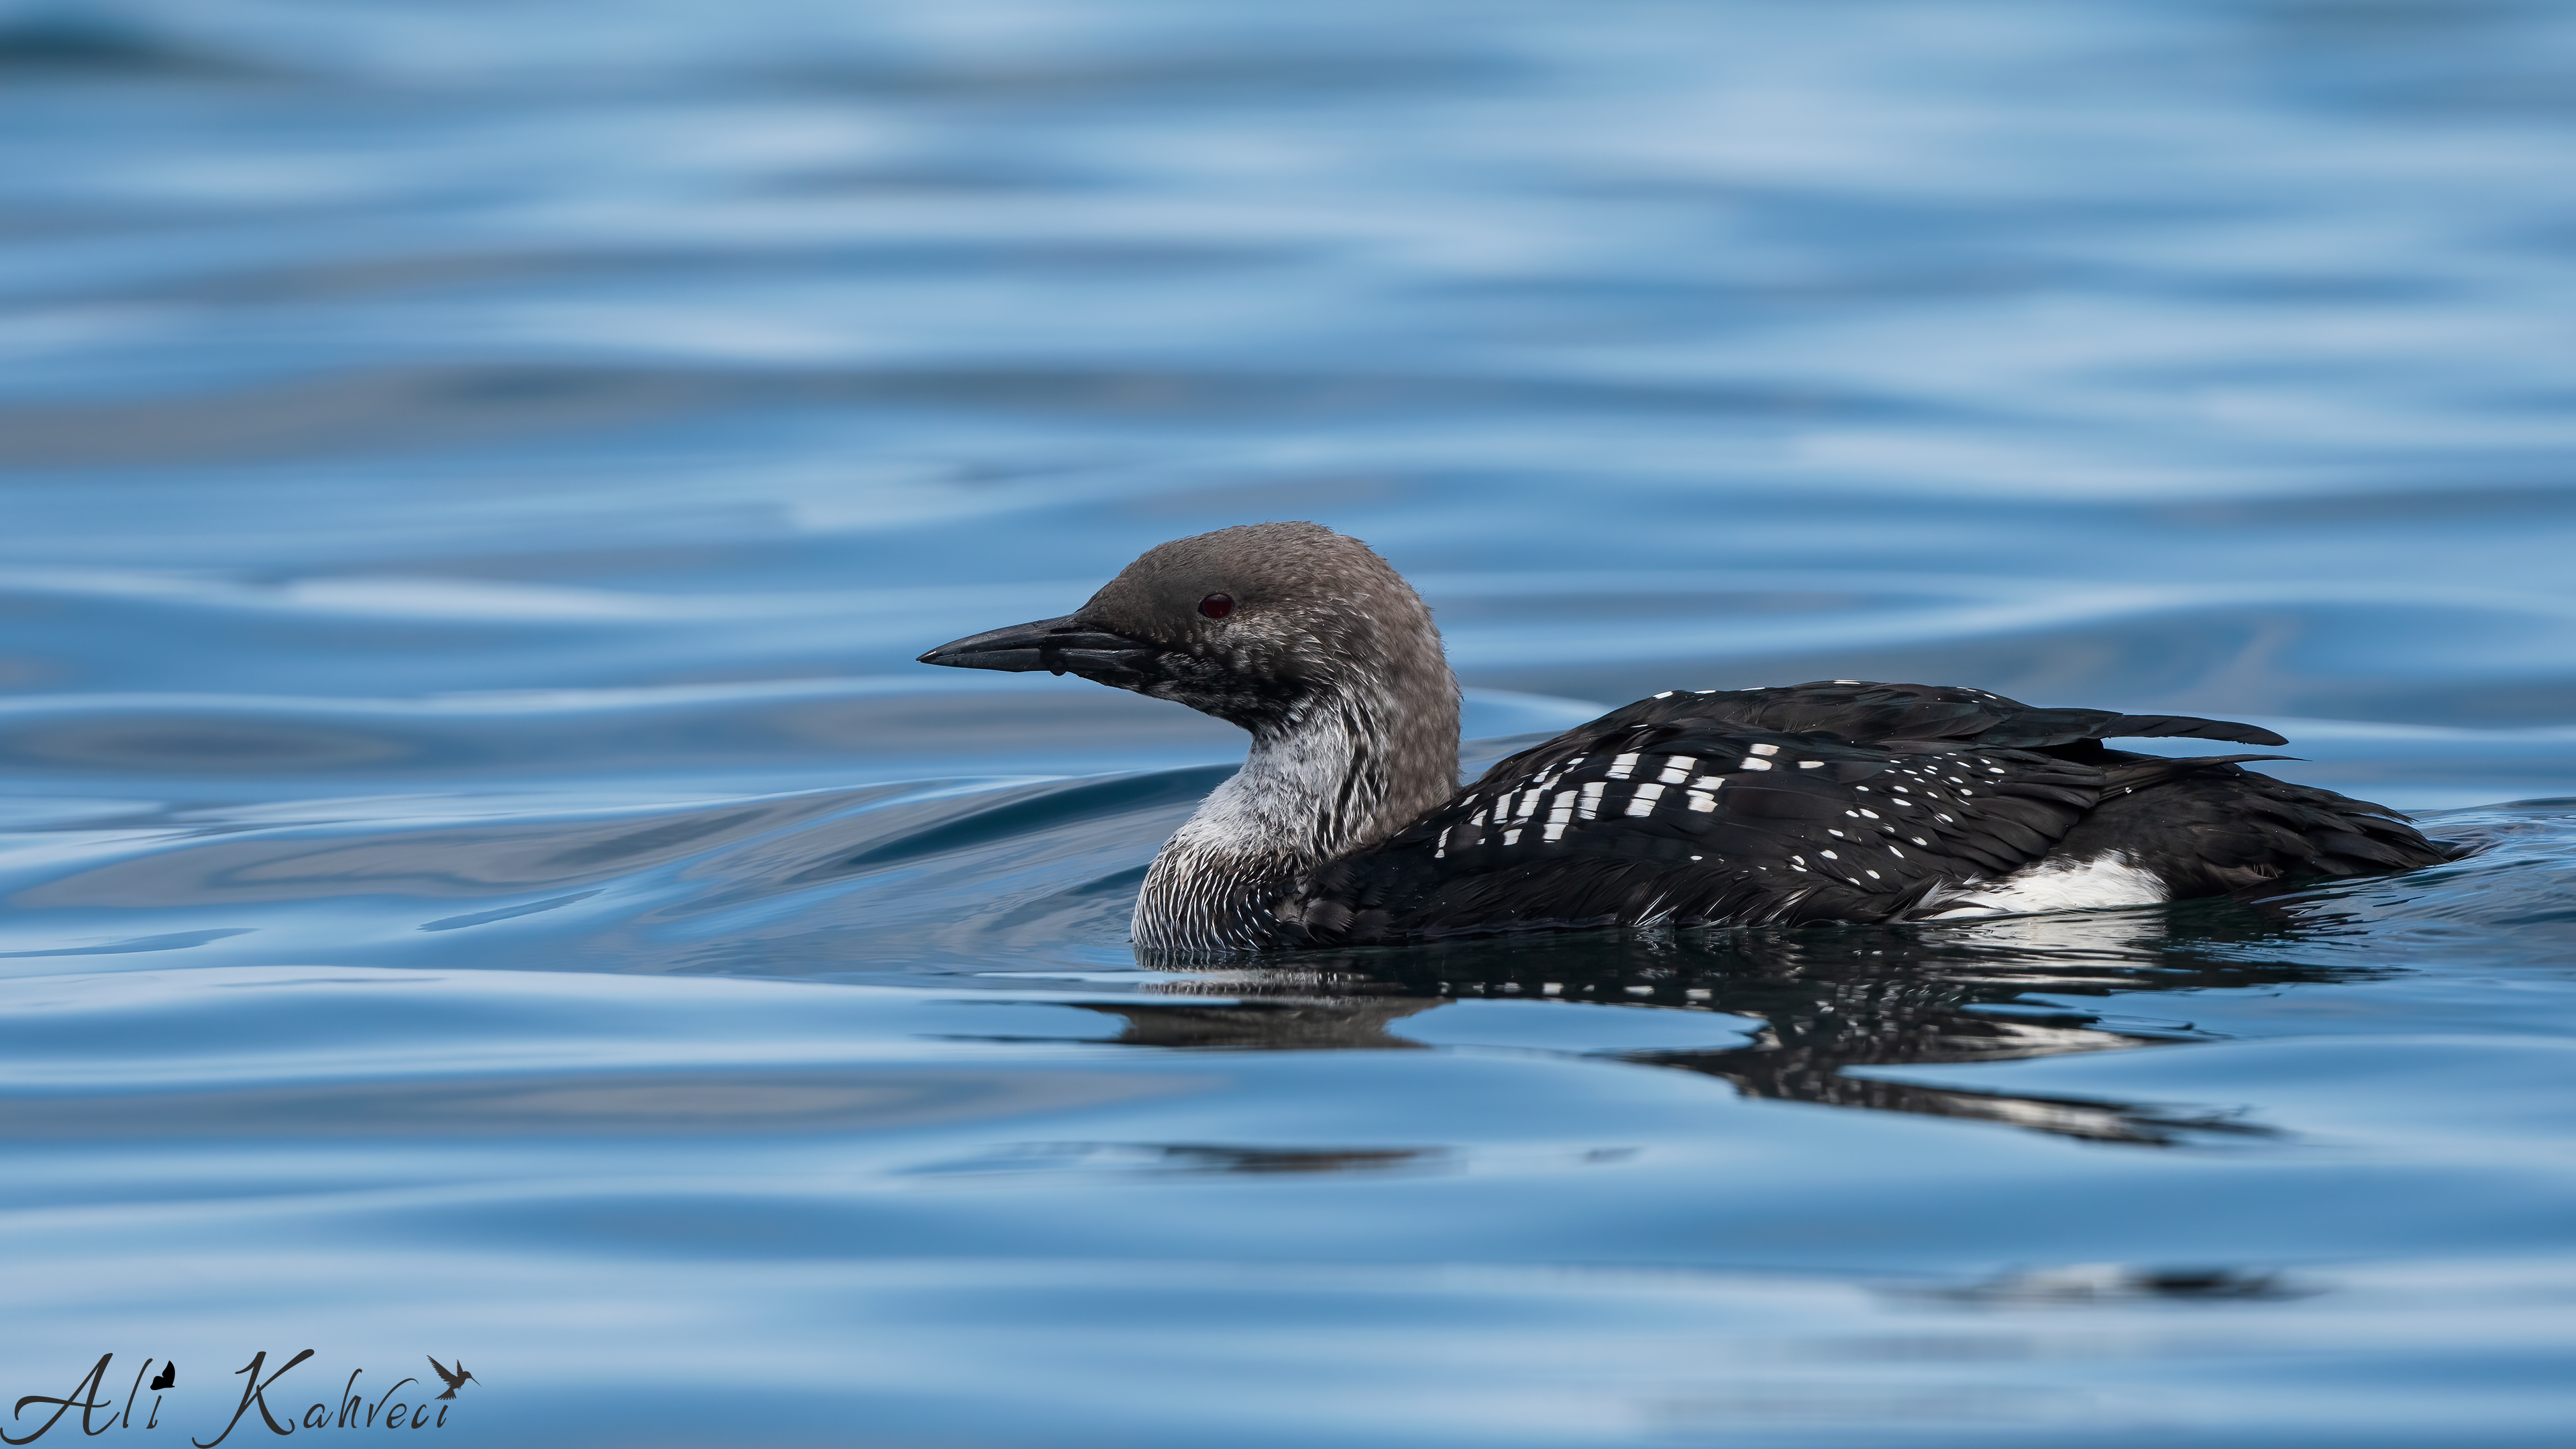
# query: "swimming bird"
[[1833, 801]]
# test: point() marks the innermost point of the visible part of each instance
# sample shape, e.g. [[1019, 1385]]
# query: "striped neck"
[[1338, 776]]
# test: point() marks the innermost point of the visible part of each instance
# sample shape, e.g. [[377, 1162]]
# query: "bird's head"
[[1255, 625]]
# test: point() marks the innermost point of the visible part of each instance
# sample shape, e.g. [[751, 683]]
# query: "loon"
[[1838, 801]]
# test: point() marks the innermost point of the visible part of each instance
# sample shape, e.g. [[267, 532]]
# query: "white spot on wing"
[[1559, 811]]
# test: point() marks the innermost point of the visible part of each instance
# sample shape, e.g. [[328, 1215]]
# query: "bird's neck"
[[1355, 766]]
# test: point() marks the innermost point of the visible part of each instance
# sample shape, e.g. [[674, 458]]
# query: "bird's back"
[[1834, 801]]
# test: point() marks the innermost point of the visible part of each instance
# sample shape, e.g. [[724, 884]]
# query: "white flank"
[[2061, 885]]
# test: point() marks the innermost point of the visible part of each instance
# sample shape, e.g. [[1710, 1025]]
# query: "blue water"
[[483, 878]]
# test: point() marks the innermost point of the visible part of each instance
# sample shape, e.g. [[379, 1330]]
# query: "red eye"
[[1217, 606]]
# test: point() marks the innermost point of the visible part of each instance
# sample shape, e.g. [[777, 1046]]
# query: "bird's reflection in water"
[[1832, 999]]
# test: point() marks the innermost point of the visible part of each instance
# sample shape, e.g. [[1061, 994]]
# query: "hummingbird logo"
[[454, 1381]]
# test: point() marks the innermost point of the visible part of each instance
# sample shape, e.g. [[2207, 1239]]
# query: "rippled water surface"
[[483, 878]]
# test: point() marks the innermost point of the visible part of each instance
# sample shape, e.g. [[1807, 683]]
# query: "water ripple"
[[480, 872]]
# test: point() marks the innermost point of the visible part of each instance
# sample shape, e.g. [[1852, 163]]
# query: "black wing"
[[1924, 715], [2213, 829], [1660, 813]]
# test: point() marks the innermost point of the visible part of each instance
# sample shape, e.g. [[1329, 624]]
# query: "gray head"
[[1263, 625], [1312, 643]]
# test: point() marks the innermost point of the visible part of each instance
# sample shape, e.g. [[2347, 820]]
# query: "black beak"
[[1054, 645]]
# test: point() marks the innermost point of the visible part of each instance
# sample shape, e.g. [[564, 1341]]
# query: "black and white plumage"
[[1835, 801]]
